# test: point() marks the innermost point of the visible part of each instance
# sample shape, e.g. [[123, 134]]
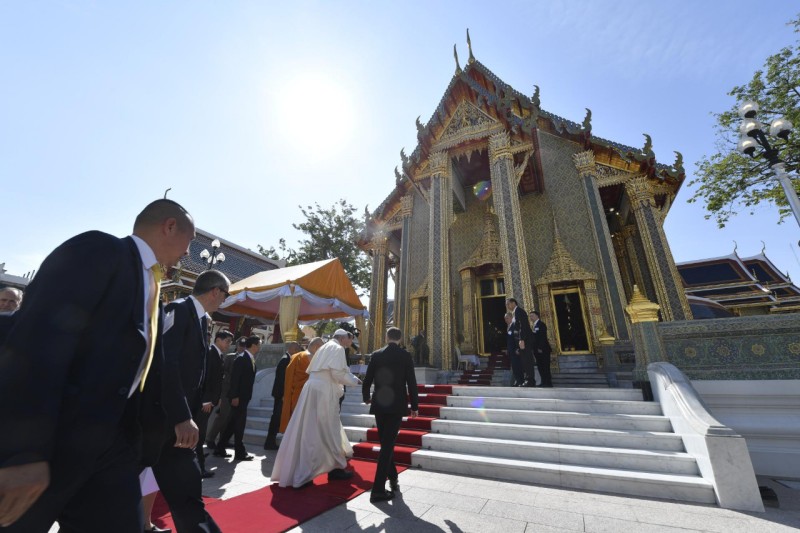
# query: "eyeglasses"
[[223, 291]]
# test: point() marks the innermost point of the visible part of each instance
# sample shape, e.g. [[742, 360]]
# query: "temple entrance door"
[[571, 321], [491, 309]]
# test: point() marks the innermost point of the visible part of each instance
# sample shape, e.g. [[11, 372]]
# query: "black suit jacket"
[[392, 370], [540, 342], [64, 397], [6, 321], [185, 349], [243, 376], [523, 326], [280, 376], [213, 385]]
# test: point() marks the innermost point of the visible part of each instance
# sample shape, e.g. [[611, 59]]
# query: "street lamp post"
[[753, 136], [212, 257]]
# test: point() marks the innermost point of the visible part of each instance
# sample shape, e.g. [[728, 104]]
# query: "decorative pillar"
[[644, 321], [634, 251], [609, 268], [440, 334], [377, 293], [506, 205], [666, 280], [546, 315], [401, 302], [415, 325], [624, 264], [469, 345]]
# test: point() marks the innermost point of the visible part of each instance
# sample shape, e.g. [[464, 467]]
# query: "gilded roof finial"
[[535, 98], [455, 55], [648, 146], [735, 247], [678, 165], [587, 121], [469, 45], [420, 127], [763, 247], [165, 192]]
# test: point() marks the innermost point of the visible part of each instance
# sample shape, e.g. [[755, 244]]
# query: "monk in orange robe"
[[296, 377]]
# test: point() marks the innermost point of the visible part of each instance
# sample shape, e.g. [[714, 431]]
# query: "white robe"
[[315, 441]]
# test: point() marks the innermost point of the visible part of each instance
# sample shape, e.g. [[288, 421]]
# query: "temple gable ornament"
[[467, 123]]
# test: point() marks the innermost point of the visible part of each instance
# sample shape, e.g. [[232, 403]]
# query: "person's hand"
[[20, 487], [367, 402], [234, 402], [521, 345], [186, 434], [207, 407], [414, 414]]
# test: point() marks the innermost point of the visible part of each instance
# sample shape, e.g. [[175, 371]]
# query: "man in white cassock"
[[315, 441]]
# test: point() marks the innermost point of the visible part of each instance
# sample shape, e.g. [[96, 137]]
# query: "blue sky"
[[248, 109]]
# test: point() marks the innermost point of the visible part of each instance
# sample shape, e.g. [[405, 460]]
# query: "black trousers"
[[96, 497], [543, 363], [275, 420], [178, 476], [201, 419], [388, 427], [527, 363], [236, 424]]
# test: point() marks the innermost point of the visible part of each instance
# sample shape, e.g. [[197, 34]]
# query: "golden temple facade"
[[501, 198]]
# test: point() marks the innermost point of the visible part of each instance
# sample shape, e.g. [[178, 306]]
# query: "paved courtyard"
[[441, 502]]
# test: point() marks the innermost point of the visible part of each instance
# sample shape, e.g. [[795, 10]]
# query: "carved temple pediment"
[[562, 266], [422, 291], [467, 123], [488, 251]]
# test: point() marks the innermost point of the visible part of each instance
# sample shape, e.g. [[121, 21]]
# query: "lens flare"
[[482, 190]]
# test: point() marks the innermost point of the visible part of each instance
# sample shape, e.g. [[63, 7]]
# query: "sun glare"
[[316, 114]]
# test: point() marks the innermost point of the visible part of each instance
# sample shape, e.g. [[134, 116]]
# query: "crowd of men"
[[119, 401]]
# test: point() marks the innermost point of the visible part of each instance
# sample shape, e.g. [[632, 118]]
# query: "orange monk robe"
[[296, 377]]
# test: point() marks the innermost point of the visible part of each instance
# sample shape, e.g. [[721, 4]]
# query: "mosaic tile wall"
[[757, 347], [564, 196], [420, 233]]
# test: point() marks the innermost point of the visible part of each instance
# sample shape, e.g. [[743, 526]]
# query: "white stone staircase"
[[606, 440]]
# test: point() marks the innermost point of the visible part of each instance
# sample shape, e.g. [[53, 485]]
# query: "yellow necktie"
[[155, 291]]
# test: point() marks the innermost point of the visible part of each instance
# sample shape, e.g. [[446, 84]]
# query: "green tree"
[[729, 180], [330, 233]]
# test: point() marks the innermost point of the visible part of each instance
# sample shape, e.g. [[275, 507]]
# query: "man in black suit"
[[10, 299], [211, 392], [223, 412], [185, 341], [392, 370], [278, 387], [541, 349], [522, 329], [71, 407], [512, 347], [242, 378]]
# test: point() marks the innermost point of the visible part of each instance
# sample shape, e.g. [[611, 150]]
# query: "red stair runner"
[[432, 398]]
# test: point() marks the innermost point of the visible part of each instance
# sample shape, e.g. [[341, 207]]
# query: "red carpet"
[[275, 509]]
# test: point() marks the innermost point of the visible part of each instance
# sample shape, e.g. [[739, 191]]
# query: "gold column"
[[401, 303], [440, 334], [468, 297], [506, 205], [415, 326], [664, 273], [546, 315], [628, 236], [377, 296]]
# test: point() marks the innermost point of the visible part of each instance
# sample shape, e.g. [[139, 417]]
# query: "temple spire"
[[455, 55], [469, 45]]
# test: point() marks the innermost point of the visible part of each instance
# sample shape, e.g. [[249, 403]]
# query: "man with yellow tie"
[[70, 411]]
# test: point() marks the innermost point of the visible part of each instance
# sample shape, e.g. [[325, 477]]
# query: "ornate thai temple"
[[501, 198]]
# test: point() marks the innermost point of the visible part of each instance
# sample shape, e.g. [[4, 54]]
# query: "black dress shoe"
[[157, 529], [337, 474], [395, 486], [243, 458], [306, 485], [381, 496], [270, 445], [205, 474], [221, 453]]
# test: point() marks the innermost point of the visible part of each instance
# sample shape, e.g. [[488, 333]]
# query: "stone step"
[[560, 419], [607, 438], [577, 358], [559, 393], [679, 463], [548, 404], [648, 484]]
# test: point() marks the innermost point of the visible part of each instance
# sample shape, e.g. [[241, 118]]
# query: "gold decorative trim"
[[406, 206], [562, 266], [584, 162], [500, 146], [640, 309], [607, 176], [488, 250]]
